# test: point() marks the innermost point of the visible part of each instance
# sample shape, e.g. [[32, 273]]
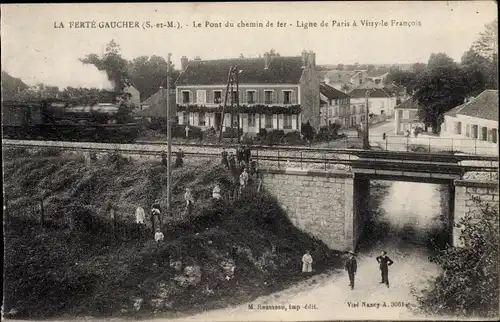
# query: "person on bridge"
[[179, 159], [384, 136], [232, 162], [224, 161], [384, 262], [351, 267]]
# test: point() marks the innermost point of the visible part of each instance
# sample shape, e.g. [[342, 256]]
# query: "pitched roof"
[[374, 93], [331, 92], [378, 72], [281, 70], [157, 106], [340, 76], [322, 74], [408, 104], [484, 106]]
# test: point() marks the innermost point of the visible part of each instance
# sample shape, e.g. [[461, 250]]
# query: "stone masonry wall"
[[317, 202], [465, 191]]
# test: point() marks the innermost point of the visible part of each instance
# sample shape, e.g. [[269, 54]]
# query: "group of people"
[[243, 168], [243, 157], [351, 266]]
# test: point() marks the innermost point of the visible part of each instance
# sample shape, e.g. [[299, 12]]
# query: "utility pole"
[[237, 101], [232, 103], [169, 141], [225, 103], [366, 138]]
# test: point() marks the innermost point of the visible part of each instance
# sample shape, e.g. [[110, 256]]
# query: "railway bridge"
[[325, 191]]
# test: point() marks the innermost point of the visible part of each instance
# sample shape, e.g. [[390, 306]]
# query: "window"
[[458, 128], [474, 131], [185, 118], [185, 97], [406, 115], [353, 120], [353, 109], [362, 119], [493, 135], [467, 130], [251, 97], [287, 97], [234, 96], [269, 121], [331, 111], [381, 105], [336, 102], [484, 133], [217, 97], [201, 119], [287, 121], [362, 109], [201, 96], [268, 97], [251, 120]]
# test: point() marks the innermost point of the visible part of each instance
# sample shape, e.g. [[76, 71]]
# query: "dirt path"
[[329, 296]]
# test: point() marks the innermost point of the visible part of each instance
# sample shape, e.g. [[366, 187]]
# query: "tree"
[[480, 72], [402, 78], [440, 60], [417, 68], [149, 73], [11, 86], [468, 285], [340, 66], [115, 66], [487, 43], [438, 90]]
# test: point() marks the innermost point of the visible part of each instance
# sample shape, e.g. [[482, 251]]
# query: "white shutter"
[[190, 97], [274, 98], [293, 97], [201, 96]]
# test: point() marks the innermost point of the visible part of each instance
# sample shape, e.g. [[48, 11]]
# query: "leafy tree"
[[402, 78], [468, 285], [487, 43], [115, 66], [149, 73], [438, 90], [417, 68], [440, 60], [340, 66], [480, 72], [11, 86]]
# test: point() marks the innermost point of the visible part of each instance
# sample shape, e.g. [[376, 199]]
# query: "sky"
[[35, 51]]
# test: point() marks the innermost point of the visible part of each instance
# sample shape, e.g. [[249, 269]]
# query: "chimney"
[[304, 58], [184, 63], [267, 60], [312, 59]]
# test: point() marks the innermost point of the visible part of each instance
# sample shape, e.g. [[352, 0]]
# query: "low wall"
[[317, 202]]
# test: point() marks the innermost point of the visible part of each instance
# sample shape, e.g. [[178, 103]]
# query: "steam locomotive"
[[58, 120]]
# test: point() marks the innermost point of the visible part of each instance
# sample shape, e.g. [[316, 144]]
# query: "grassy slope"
[[75, 266]]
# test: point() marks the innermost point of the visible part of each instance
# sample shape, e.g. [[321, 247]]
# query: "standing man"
[[155, 215], [351, 267], [384, 262], [243, 181], [224, 160], [187, 131]]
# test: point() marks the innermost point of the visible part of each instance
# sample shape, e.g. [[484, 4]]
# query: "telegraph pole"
[[237, 101], [366, 138], [169, 141]]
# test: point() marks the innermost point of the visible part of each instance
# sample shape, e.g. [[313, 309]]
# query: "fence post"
[[407, 143], [301, 159], [429, 144], [278, 159], [475, 147], [325, 160], [452, 145], [258, 157], [386, 142]]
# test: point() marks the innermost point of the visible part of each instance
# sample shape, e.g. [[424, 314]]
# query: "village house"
[[406, 117], [154, 107], [275, 93], [345, 80], [475, 120], [381, 102], [335, 106], [134, 99]]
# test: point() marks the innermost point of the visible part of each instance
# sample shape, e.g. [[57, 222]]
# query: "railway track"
[[296, 157]]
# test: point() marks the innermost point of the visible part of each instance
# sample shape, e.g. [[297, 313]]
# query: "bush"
[[468, 285]]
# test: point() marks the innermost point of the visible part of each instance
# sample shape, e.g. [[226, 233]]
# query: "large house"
[[476, 118], [335, 106], [380, 100], [155, 105], [275, 92]]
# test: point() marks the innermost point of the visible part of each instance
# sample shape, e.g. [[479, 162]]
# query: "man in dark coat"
[[239, 154], [247, 154], [232, 162], [351, 266], [384, 262], [224, 160]]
